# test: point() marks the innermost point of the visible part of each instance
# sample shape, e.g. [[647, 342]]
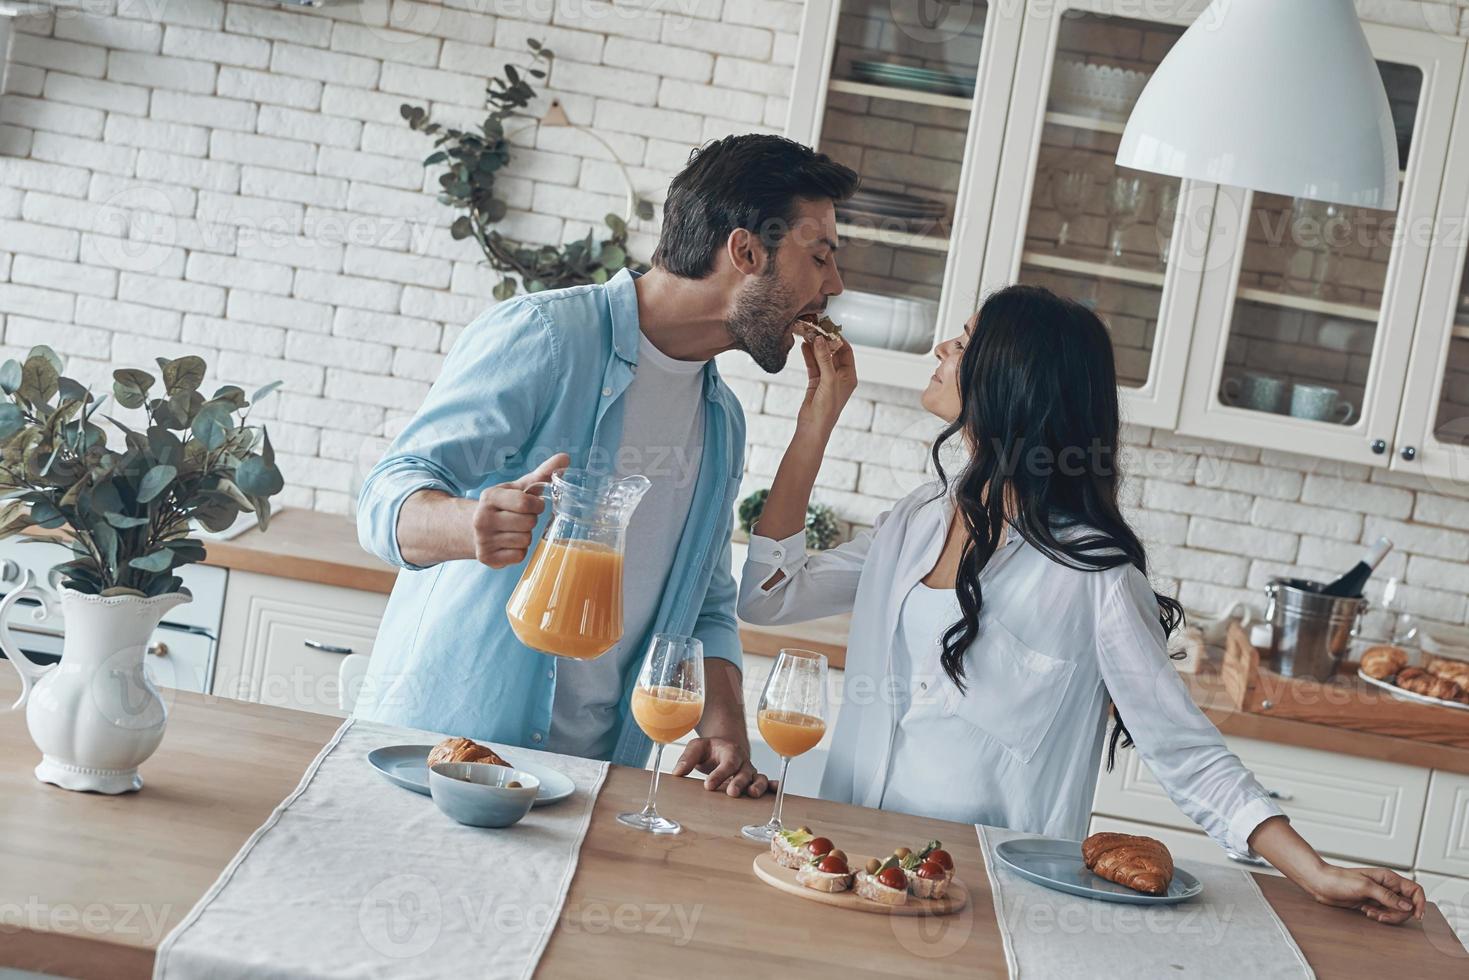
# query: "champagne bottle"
[[1350, 585]]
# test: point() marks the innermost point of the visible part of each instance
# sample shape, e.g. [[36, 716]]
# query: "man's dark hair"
[[751, 182]]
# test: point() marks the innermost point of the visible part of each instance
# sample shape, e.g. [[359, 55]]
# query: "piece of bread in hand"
[[1140, 863], [464, 750]]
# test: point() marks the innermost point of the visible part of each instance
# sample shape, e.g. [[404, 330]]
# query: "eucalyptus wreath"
[[474, 158]]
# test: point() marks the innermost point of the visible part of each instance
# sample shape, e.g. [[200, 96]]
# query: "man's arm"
[[490, 397], [434, 526]]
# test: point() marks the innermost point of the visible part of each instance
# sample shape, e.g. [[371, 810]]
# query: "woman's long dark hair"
[[1041, 421]]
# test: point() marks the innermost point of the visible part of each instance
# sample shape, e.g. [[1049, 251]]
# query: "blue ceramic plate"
[[406, 765], [1057, 864]]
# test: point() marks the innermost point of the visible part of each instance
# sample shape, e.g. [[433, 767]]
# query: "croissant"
[[1454, 670], [1140, 863], [1383, 661], [1420, 681], [463, 750]]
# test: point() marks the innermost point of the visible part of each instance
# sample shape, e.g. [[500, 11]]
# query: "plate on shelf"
[[784, 879], [913, 77], [1403, 695], [405, 766], [894, 203], [1057, 864]]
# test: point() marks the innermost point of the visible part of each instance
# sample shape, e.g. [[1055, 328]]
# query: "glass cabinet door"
[[1109, 237], [1314, 301], [898, 96], [1432, 435]]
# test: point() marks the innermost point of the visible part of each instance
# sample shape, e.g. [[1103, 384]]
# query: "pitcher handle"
[[30, 671]]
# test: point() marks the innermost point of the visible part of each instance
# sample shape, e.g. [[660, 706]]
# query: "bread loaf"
[[1382, 662]]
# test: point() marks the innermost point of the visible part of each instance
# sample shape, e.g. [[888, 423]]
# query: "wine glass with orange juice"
[[791, 718], [667, 703]]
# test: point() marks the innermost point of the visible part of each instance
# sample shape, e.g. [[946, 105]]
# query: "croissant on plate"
[[1454, 670], [1420, 681], [1140, 863], [463, 750], [1382, 662]]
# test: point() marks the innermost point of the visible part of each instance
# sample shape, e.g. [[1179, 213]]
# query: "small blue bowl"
[[476, 794]]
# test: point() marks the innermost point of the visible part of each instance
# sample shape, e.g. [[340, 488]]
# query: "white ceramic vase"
[[95, 716]]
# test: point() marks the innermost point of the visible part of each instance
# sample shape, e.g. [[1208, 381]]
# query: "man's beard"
[[761, 321]]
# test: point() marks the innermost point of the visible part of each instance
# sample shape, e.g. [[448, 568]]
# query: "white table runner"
[[1229, 931], [353, 877]]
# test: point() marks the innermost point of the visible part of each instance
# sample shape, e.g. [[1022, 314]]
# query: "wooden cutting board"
[[784, 879]]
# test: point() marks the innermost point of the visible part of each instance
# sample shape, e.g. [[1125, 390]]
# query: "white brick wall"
[[262, 203]]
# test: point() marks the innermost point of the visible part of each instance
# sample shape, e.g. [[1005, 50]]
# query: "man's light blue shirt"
[[531, 377]]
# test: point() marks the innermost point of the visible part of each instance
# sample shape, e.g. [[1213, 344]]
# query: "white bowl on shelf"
[[893, 322], [1085, 87]]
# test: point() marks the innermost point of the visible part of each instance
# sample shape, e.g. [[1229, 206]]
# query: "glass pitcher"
[[569, 599]]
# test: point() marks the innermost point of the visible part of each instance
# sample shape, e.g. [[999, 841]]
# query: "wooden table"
[[91, 884]]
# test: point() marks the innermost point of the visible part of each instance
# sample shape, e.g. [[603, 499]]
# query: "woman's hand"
[[831, 374], [1380, 894]]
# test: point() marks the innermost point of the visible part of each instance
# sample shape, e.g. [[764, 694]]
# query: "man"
[[619, 378]]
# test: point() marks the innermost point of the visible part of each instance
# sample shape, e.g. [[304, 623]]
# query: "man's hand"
[[506, 515], [727, 764]]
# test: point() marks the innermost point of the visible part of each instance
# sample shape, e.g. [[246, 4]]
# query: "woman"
[[997, 614]]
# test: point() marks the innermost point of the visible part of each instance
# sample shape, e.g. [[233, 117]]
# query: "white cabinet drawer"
[[282, 640], [1451, 895], [1363, 809], [1444, 846]]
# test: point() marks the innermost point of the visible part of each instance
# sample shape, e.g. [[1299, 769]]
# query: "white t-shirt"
[[663, 439]]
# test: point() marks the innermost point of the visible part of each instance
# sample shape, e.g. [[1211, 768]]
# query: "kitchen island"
[[93, 883]]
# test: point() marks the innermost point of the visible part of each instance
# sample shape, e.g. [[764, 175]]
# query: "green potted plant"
[[823, 530], [125, 508]]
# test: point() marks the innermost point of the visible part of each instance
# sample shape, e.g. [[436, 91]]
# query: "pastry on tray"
[[1453, 670], [1140, 863], [1420, 681], [1382, 662], [464, 750]]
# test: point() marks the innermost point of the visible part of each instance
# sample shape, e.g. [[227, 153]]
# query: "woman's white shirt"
[[1020, 746]]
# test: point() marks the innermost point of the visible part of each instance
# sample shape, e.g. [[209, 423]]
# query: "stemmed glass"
[[1068, 195], [667, 703], [1126, 198], [1167, 218], [792, 719]]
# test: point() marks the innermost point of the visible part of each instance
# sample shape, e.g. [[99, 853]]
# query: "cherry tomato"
[[893, 877], [818, 846], [833, 865], [930, 869], [942, 859]]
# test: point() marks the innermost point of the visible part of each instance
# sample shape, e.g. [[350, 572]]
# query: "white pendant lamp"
[[1272, 95]]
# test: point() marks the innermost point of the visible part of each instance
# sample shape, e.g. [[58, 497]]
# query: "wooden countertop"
[[323, 548], [98, 881]]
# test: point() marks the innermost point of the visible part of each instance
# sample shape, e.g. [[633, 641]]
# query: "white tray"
[[1403, 695]]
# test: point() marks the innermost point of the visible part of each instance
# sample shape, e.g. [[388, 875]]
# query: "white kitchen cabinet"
[[282, 640], [1361, 809], [1068, 218], [1247, 318], [938, 143], [1432, 436], [1306, 316], [1444, 845]]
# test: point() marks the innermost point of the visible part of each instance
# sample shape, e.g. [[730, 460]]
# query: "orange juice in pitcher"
[[569, 599]]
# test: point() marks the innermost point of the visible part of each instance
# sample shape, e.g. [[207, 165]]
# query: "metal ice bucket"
[[1311, 632]]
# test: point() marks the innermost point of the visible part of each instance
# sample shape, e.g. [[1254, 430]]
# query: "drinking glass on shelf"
[[667, 703], [1167, 218], [1068, 196], [792, 719], [1318, 229], [1125, 200]]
